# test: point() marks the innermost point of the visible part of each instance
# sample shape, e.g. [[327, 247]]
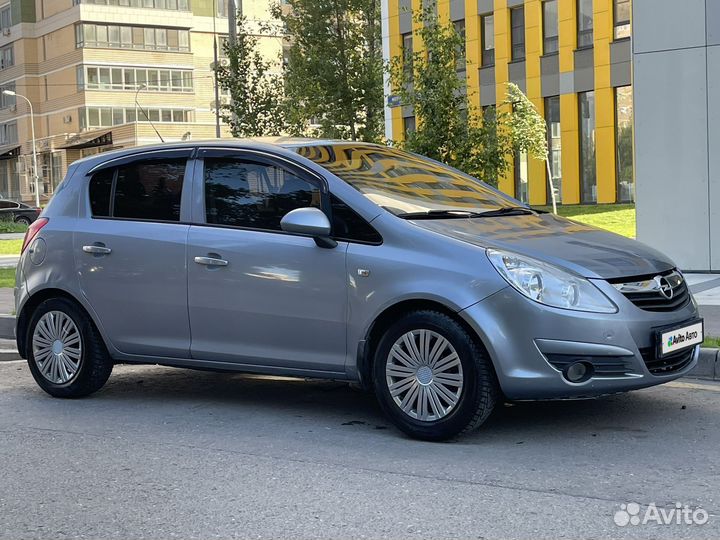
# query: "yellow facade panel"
[[570, 149]]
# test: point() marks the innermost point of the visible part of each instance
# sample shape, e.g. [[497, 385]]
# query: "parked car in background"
[[18, 212], [346, 261]]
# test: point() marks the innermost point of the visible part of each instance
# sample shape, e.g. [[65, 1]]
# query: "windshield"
[[404, 183]]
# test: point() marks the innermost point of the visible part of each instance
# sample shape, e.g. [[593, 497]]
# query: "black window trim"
[[272, 159], [153, 155]]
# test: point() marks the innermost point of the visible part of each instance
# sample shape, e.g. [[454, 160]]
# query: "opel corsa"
[[344, 261]]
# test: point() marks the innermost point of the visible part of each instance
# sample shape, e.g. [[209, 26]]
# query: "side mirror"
[[309, 222]]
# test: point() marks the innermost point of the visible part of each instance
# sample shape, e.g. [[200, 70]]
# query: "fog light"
[[578, 372]]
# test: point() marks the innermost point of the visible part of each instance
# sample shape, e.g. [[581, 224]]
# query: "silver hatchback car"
[[345, 261]]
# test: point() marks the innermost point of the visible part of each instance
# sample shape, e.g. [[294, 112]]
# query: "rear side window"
[[244, 193], [147, 190]]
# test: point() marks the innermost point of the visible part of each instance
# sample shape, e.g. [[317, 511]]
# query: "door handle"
[[211, 261], [97, 250]]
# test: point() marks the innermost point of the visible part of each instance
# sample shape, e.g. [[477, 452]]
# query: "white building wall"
[[676, 78]]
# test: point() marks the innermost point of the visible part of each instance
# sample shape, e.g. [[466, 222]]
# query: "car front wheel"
[[431, 378]]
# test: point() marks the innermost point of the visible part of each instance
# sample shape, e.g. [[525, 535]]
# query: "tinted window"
[[150, 190], [348, 225], [244, 193], [100, 190], [8, 204]]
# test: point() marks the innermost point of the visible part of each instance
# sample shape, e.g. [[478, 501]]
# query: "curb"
[[708, 366], [7, 327]]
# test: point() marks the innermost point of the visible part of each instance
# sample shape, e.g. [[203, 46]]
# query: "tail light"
[[32, 231]]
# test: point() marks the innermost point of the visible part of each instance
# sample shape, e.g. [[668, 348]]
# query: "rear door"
[[130, 248]]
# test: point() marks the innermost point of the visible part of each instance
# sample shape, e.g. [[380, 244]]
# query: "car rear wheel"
[[66, 354], [22, 219], [431, 378]]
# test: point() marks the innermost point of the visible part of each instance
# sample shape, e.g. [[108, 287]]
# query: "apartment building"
[[104, 74], [573, 60]]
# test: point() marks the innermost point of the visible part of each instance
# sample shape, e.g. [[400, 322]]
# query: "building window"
[[174, 5], [459, 27], [585, 23], [7, 58], [95, 117], [131, 37], [552, 118], [624, 144], [5, 100], [588, 174], [621, 16], [5, 18], [129, 78], [408, 125], [407, 53], [488, 40], [521, 177], [550, 26], [517, 33], [8, 133]]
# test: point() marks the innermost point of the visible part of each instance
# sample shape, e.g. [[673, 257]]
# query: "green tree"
[[333, 71], [255, 87], [448, 128]]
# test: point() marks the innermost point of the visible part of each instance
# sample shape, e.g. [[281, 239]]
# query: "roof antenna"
[[148, 118]]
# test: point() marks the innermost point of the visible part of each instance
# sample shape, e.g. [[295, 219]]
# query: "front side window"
[[517, 33], [145, 190], [585, 23], [550, 26], [488, 40], [621, 15], [256, 195], [402, 182]]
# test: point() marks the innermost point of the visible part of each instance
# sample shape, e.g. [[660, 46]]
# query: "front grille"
[[669, 364], [646, 292], [603, 366]]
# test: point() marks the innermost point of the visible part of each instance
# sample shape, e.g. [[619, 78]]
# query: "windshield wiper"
[[464, 214], [439, 214], [510, 211]]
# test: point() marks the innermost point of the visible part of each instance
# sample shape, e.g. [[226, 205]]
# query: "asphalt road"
[[164, 453]]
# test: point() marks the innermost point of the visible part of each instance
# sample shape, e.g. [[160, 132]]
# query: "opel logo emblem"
[[664, 287]]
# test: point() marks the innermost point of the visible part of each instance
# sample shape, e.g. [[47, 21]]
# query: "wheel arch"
[[29, 307], [367, 347]]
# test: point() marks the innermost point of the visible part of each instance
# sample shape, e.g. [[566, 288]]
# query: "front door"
[[130, 255], [257, 295]]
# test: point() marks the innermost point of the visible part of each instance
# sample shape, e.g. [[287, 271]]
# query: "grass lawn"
[[617, 218], [12, 227], [10, 247], [7, 277], [710, 341]]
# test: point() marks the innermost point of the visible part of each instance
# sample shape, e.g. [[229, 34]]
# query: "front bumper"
[[524, 340]]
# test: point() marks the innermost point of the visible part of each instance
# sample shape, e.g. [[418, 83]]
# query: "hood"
[[588, 251]]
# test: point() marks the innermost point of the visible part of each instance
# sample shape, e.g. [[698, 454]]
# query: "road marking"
[[3, 362], [695, 386]]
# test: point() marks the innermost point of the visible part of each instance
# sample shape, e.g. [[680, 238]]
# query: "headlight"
[[548, 284]]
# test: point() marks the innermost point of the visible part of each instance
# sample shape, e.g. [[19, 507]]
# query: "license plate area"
[[677, 338]]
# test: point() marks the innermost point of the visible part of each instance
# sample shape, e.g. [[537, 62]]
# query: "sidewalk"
[[706, 289]]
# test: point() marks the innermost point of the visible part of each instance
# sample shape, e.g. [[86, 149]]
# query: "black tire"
[[23, 219], [95, 363], [479, 392]]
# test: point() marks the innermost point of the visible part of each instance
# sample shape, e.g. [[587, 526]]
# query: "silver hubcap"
[[57, 347], [424, 375]]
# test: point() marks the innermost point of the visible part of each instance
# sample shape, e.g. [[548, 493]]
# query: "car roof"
[[260, 143]]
